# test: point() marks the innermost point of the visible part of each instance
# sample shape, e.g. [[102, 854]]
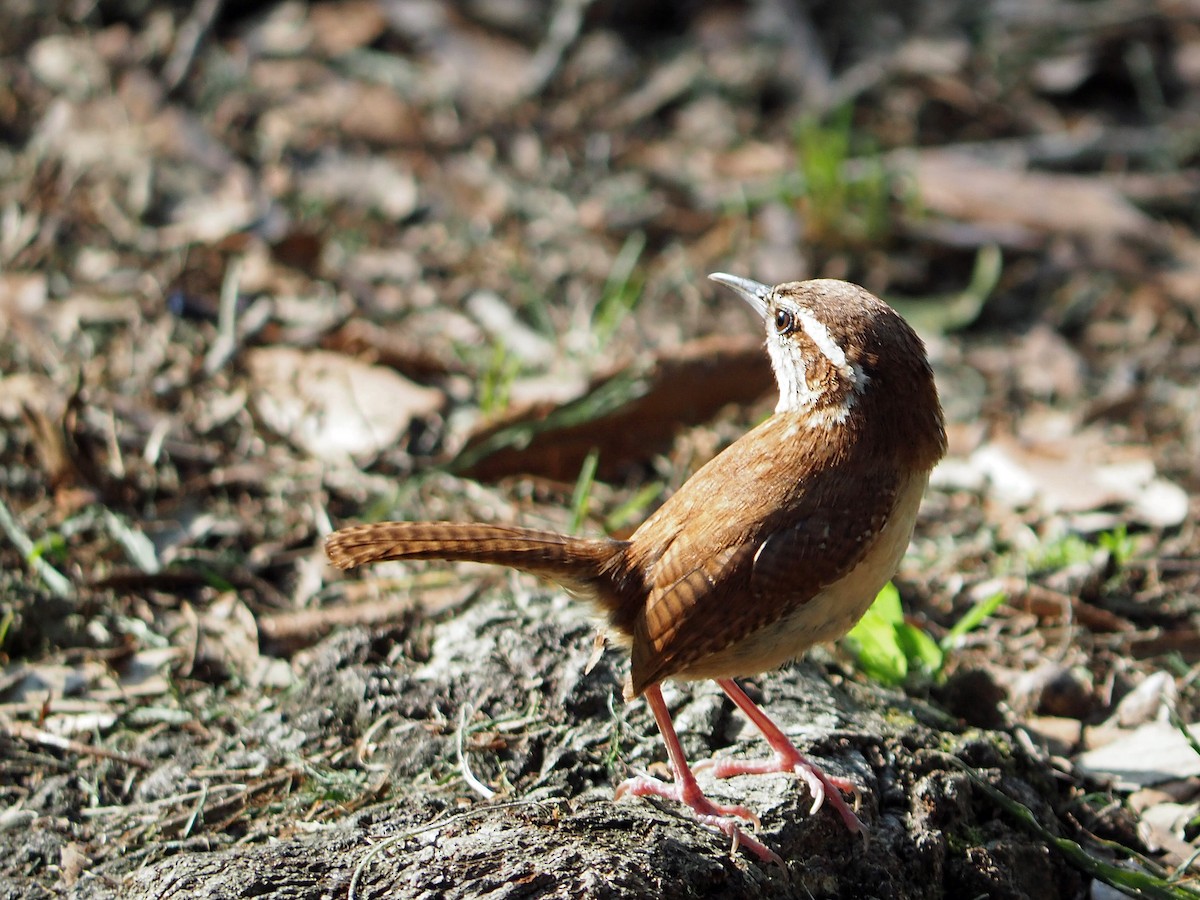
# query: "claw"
[[714, 815], [786, 759], [685, 790], [645, 786]]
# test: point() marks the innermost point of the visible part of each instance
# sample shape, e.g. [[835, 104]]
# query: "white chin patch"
[[794, 390]]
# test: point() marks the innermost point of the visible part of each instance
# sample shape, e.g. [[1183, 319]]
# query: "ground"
[[267, 269]]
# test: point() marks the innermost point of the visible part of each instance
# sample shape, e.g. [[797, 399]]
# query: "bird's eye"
[[785, 322]]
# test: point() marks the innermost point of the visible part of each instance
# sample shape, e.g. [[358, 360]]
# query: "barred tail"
[[577, 563]]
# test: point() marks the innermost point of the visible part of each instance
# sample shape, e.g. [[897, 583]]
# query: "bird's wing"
[[702, 602]]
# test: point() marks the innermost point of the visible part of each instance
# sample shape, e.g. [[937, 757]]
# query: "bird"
[[779, 542]]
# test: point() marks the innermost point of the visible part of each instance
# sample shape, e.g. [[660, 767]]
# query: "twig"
[[226, 341], [562, 33], [231, 807], [187, 41], [468, 776], [299, 628], [196, 810], [29, 733]]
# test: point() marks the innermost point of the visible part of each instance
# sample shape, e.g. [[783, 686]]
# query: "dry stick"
[[231, 807], [468, 776], [234, 325], [300, 628], [34, 735], [148, 806], [188, 38], [565, 27], [226, 342]]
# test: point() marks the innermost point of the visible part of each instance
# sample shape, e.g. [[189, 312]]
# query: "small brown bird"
[[780, 542]]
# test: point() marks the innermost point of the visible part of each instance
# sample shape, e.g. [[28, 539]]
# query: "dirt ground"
[[267, 269]]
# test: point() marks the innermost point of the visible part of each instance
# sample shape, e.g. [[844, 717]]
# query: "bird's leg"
[[787, 759], [685, 789]]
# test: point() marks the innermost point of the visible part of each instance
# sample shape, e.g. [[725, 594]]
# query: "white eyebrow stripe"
[[819, 335]]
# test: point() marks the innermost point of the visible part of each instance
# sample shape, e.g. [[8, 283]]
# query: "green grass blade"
[[1134, 882]]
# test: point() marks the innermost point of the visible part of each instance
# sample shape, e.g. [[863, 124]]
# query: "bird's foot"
[[820, 785], [715, 815], [644, 786]]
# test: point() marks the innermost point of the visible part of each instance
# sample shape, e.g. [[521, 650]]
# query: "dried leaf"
[[627, 415], [373, 183], [1151, 754], [347, 25], [334, 406], [22, 294], [393, 347], [228, 639], [964, 187], [1079, 473]]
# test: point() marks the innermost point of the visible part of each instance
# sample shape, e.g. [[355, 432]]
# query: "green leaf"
[[1118, 543], [582, 495], [973, 619], [622, 289], [887, 605], [919, 647], [946, 313], [1135, 882], [887, 648], [874, 642], [878, 654]]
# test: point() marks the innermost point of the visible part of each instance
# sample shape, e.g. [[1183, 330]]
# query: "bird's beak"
[[751, 291]]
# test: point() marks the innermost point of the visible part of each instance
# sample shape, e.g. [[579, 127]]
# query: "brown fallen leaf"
[[333, 406], [628, 415], [1182, 641], [961, 186], [1150, 754], [40, 404], [346, 25], [1079, 473], [392, 347], [1052, 605], [1057, 734]]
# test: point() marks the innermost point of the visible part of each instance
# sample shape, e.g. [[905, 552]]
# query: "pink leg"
[[685, 789], [787, 759]]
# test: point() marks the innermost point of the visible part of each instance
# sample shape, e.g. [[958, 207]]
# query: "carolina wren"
[[781, 541]]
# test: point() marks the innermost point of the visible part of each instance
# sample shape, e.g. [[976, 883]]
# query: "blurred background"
[[270, 268]]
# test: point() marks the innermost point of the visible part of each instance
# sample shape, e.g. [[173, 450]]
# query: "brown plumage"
[[779, 542]]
